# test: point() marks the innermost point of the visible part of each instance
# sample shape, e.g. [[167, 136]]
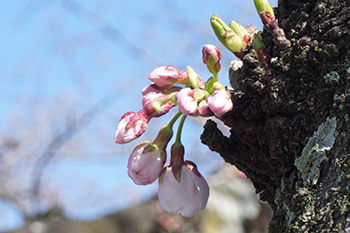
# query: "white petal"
[[187, 197]]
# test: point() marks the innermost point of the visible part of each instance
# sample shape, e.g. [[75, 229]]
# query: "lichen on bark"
[[315, 151], [274, 118]]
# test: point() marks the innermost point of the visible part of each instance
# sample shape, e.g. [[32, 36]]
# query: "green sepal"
[[176, 170], [200, 95], [209, 85], [150, 148], [160, 179], [218, 85], [192, 77]]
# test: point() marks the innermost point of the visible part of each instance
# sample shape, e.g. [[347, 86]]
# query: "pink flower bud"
[[220, 102], [211, 56], [151, 104], [165, 90], [131, 126], [187, 103], [145, 163], [183, 192], [151, 88], [166, 76], [204, 110]]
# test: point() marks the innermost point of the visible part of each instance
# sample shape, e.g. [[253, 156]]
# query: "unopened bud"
[[220, 102], [186, 101], [146, 163], [131, 126], [219, 28], [240, 31], [261, 51], [265, 12], [182, 189], [235, 44], [157, 104], [228, 37], [166, 76], [166, 90], [211, 56]]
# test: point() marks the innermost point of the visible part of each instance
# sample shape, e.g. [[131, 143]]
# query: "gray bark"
[[290, 133]]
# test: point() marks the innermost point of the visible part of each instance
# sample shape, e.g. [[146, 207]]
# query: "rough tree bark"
[[291, 134]]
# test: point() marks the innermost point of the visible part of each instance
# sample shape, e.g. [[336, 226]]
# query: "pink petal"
[[164, 75], [204, 110], [187, 104], [220, 102], [131, 126], [187, 197], [145, 167]]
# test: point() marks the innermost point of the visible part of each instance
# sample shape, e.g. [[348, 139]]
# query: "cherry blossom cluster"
[[182, 188]]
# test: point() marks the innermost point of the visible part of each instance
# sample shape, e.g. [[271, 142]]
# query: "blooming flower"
[[131, 126], [183, 191], [145, 163], [211, 56], [220, 102], [166, 76], [186, 102]]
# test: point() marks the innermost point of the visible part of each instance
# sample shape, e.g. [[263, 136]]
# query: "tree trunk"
[[290, 132]]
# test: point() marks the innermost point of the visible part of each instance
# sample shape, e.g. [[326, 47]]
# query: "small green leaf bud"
[[261, 52], [228, 37], [265, 12], [240, 31], [235, 44]]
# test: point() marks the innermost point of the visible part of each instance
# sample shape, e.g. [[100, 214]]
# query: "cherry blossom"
[[183, 191], [145, 163], [220, 102]]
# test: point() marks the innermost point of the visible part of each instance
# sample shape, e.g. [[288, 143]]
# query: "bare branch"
[[62, 138]]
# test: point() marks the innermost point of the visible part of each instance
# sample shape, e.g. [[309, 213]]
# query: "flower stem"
[[166, 133], [216, 77], [179, 129], [173, 120]]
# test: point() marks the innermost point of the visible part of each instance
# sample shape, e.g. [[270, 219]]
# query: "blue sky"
[[59, 58]]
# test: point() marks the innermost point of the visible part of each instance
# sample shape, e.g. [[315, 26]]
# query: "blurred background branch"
[[59, 140]]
